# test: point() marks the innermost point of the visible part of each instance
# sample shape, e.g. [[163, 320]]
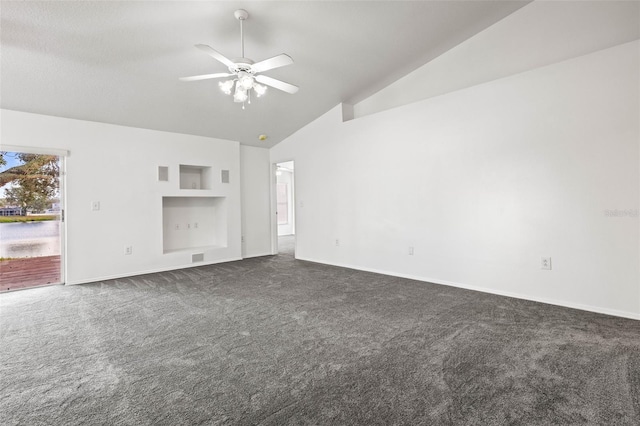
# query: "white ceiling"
[[119, 62]]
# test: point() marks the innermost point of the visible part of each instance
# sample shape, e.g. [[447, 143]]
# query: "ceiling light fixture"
[[259, 89], [240, 95], [226, 86], [247, 74], [245, 80]]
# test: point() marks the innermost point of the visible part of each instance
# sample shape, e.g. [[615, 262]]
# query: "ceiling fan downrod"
[[241, 15]]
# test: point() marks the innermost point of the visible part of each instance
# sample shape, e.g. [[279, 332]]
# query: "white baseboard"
[[572, 305]]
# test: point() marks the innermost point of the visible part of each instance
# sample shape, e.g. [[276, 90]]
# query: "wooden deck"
[[29, 272]]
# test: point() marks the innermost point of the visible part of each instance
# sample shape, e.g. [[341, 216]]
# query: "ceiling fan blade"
[[271, 63], [281, 85], [206, 76], [215, 54]]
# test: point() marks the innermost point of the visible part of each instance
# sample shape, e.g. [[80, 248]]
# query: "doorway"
[[31, 219], [285, 207]]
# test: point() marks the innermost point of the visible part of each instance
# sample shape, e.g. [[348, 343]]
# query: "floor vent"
[[197, 257]]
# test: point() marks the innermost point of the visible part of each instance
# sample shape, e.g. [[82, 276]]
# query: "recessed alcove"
[[163, 173], [190, 223], [195, 177]]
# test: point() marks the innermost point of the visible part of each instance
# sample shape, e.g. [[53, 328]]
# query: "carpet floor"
[[276, 341]]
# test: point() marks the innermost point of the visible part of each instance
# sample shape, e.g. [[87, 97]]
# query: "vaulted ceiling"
[[119, 62]]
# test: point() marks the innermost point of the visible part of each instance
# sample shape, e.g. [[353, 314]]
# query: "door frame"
[[274, 205], [62, 183]]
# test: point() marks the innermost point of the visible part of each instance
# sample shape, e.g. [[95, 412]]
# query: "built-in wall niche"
[[163, 173], [195, 177], [190, 223]]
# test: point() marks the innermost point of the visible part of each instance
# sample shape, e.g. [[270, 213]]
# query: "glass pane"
[[29, 220]]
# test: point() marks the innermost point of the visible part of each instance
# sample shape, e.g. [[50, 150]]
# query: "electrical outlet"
[[545, 263], [337, 242], [188, 226], [195, 225], [95, 206], [177, 227], [128, 250], [242, 239], [410, 251]]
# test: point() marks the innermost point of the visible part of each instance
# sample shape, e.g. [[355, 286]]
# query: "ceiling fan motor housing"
[[241, 64]]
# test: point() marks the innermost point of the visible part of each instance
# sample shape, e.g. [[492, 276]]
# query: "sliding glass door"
[[31, 220]]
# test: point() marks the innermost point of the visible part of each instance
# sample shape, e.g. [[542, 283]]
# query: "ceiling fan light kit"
[[246, 73]]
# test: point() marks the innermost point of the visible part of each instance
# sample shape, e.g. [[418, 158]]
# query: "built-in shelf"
[[193, 249], [195, 177], [193, 223]]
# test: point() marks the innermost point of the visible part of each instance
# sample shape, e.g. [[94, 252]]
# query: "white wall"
[[256, 199], [117, 166], [538, 34], [484, 181]]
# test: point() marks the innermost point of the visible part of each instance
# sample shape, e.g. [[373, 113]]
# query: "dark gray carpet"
[[275, 341]]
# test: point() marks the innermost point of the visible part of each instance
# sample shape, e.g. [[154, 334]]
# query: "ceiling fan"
[[247, 74]]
